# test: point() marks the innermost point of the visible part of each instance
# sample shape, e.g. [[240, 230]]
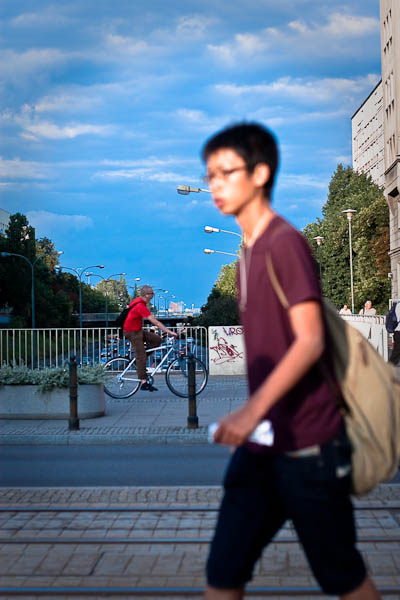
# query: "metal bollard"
[[192, 421], [73, 422]]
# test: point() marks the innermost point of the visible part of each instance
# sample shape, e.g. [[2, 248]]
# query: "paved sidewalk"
[[126, 548], [145, 417]]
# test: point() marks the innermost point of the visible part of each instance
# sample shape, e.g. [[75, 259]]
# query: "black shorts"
[[262, 492]]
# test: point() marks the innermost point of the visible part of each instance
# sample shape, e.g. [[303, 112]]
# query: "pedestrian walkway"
[[146, 538], [140, 542], [145, 417]]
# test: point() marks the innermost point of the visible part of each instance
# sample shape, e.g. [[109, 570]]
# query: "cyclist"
[[141, 339]]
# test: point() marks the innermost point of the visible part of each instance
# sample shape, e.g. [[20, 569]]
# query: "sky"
[[105, 106]]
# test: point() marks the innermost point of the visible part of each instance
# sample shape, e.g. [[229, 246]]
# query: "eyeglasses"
[[223, 173]]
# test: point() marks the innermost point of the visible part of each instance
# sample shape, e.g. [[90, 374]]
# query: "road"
[[82, 466]]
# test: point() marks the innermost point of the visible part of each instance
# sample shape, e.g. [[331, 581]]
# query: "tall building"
[[367, 137], [4, 219], [390, 58]]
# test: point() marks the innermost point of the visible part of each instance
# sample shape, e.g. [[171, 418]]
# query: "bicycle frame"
[[155, 369]]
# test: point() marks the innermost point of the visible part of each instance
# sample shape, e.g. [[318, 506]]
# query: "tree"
[[370, 236], [221, 307], [15, 272]]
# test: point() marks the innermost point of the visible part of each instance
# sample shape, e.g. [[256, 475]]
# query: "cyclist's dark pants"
[[395, 356], [138, 339]]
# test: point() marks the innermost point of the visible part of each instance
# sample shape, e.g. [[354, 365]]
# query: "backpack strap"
[[321, 362], [275, 283]]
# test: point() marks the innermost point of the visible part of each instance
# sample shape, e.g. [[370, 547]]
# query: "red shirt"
[[308, 414], [134, 320]]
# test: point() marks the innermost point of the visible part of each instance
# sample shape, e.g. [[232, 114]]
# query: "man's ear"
[[261, 174]]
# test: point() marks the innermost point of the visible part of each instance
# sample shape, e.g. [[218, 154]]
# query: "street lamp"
[[80, 271], [32, 265], [186, 189], [319, 239], [135, 290], [209, 229], [209, 251], [106, 280], [349, 212]]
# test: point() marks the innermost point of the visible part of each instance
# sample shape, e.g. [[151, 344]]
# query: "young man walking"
[[305, 474], [140, 339]]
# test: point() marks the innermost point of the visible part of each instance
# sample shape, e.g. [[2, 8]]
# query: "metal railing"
[[39, 348]]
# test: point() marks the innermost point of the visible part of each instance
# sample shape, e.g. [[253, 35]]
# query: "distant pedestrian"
[[368, 309], [395, 356], [140, 339], [345, 310], [305, 474]]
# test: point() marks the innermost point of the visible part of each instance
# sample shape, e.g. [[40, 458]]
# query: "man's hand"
[[172, 333], [235, 428]]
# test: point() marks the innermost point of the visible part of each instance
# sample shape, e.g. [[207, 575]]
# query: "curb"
[[161, 436]]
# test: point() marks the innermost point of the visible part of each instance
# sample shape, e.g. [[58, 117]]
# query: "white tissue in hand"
[[263, 433]]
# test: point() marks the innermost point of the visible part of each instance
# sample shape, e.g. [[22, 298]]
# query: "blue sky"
[[105, 105]]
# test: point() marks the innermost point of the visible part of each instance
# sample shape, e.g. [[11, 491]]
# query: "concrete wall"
[[227, 352]]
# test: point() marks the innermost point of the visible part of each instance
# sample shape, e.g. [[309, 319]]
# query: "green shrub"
[[49, 378]]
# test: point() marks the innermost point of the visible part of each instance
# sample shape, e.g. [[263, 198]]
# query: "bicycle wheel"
[[176, 376], [117, 386]]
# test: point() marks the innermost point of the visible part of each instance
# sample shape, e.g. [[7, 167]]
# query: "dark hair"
[[253, 142]]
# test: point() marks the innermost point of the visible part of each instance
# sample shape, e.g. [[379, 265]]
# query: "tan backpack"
[[370, 397]]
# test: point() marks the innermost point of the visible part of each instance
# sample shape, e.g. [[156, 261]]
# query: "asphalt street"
[[136, 465]]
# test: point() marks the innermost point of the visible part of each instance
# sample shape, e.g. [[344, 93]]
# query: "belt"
[[310, 451]]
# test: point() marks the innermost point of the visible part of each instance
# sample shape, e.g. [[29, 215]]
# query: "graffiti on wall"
[[226, 349]]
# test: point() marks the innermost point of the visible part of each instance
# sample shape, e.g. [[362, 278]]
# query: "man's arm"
[[161, 326], [306, 349]]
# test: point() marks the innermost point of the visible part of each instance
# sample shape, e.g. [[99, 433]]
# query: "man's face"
[[230, 182], [368, 305]]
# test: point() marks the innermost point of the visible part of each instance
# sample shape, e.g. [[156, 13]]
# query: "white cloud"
[[16, 65], [32, 128], [350, 25], [150, 162], [193, 25], [47, 222], [146, 175], [19, 169], [308, 181], [345, 159], [41, 19], [313, 91], [66, 103], [330, 38], [126, 45], [51, 131], [199, 120]]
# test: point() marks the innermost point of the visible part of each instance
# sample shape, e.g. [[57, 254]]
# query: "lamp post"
[[158, 290], [209, 251], [319, 239], [80, 271], [32, 266], [209, 229], [165, 303], [187, 189], [349, 212], [106, 280]]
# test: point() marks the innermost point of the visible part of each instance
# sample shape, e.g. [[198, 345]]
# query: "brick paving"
[[54, 549], [124, 563]]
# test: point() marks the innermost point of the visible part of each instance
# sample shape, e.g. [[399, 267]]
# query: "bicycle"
[[122, 380]]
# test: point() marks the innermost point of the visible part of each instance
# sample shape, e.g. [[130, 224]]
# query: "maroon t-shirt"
[[308, 414]]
